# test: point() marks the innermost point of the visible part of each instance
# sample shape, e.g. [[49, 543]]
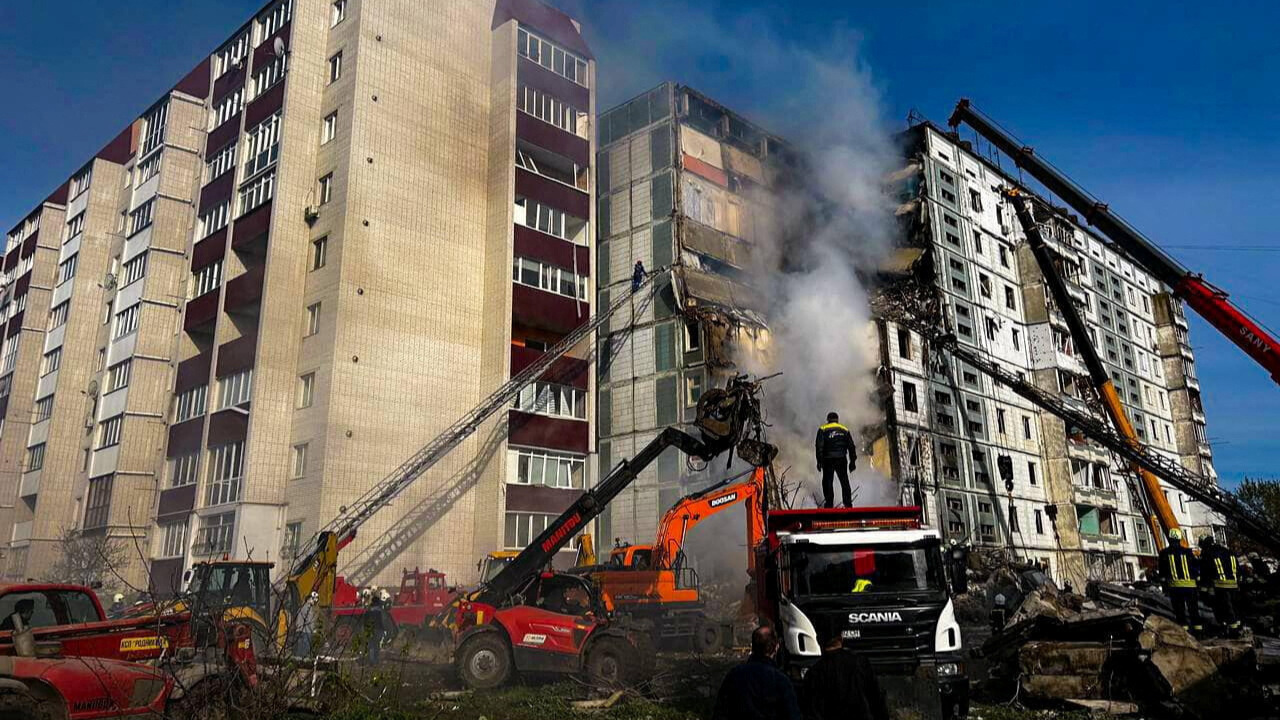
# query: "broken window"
[[1004, 255], [984, 284], [1031, 473], [977, 242], [909, 401], [955, 516], [1017, 339], [1013, 520], [904, 344], [1000, 420], [975, 200], [1039, 523], [992, 327], [1008, 298], [1026, 427]]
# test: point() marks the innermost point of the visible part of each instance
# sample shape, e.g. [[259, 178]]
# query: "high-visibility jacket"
[[1222, 566], [1178, 566], [834, 442]]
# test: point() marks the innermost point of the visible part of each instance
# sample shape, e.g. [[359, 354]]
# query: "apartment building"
[[386, 213], [947, 427], [687, 183]]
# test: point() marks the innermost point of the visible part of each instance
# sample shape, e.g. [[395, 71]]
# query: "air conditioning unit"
[[109, 282], [92, 390], [239, 64], [88, 422], [311, 213]]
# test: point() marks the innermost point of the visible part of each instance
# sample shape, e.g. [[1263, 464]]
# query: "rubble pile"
[[1116, 649]]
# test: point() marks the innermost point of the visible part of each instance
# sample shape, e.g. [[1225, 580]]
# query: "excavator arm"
[[1163, 519], [1208, 301], [693, 509]]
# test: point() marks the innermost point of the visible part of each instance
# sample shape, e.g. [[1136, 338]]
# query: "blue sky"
[[1168, 113]]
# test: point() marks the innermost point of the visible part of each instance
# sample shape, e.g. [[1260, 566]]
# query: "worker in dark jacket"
[[1221, 569], [833, 444], [1179, 571], [843, 686], [757, 689]]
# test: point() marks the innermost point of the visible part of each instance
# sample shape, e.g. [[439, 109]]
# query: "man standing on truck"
[[1179, 571], [833, 443]]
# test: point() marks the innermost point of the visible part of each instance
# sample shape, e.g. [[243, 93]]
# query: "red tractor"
[[71, 688]]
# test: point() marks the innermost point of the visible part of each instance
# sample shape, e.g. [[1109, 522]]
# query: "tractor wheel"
[[484, 662], [21, 706], [611, 663], [706, 637]]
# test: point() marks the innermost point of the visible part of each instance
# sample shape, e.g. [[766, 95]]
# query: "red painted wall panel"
[[540, 498], [193, 372], [556, 194], [547, 311], [209, 250], [252, 226], [548, 432], [565, 371], [550, 249], [548, 136]]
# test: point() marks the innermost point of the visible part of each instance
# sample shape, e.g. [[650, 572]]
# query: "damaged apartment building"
[[965, 267], [686, 183]]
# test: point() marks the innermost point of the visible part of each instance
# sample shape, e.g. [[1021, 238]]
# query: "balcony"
[[540, 498], [548, 432], [230, 425], [535, 245], [266, 104], [1098, 496], [184, 437], [544, 134], [22, 532], [251, 229], [223, 134], [547, 311], [209, 250], [177, 501], [554, 193], [201, 313], [30, 484], [237, 355], [564, 371], [244, 292]]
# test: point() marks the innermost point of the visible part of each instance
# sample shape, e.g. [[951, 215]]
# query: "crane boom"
[[1210, 302], [351, 517], [1163, 519], [1199, 488]]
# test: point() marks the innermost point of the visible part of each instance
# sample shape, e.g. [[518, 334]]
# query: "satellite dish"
[[278, 47]]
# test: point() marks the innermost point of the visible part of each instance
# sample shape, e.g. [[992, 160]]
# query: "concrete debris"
[[1180, 661], [1110, 707]]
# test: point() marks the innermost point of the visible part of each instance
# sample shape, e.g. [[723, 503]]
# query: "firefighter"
[[1223, 571], [833, 443], [1179, 571]]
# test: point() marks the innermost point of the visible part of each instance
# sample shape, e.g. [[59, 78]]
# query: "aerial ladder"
[[1162, 519], [1249, 521], [1210, 302], [315, 570]]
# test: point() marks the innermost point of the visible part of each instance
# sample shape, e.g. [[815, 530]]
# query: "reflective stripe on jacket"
[[1178, 567], [1224, 567]]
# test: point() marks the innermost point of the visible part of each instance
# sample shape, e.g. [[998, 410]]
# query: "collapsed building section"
[[686, 183], [987, 465]]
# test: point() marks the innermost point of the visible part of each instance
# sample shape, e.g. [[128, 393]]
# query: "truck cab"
[[874, 578]]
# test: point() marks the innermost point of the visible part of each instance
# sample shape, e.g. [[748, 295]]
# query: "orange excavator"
[[655, 582]]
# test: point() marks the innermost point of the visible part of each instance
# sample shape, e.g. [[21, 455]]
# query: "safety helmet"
[[1175, 534], [384, 596], [119, 597], [1207, 541]]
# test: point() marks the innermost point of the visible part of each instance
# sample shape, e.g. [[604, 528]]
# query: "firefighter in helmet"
[[1179, 569]]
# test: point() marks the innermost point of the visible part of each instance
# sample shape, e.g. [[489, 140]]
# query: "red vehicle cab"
[[422, 595], [81, 688]]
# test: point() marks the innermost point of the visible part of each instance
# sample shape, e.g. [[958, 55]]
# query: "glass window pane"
[[536, 470]]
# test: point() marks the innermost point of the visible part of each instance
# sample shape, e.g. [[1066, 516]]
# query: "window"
[[1026, 427], [335, 67], [274, 19], [256, 193], [206, 279], [231, 55], [522, 528], [1039, 523], [227, 108], [306, 390], [109, 431], [975, 200], [216, 535], [35, 457], [153, 134], [977, 242], [1008, 298], [1017, 339], [1031, 473], [264, 146], [909, 401], [552, 110], [51, 361], [220, 162], [97, 508], [10, 354], [190, 403], [75, 225], [984, 285], [299, 460], [1013, 520], [44, 408], [550, 399], [184, 469], [118, 375], [80, 182], [553, 469], [149, 168], [235, 389], [226, 470], [329, 129], [904, 344], [140, 218], [549, 220], [551, 56], [127, 321], [173, 539], [58, 315], [337, 13], [214, 219], [548, 277], [135, 269], [319, 252], [292, 540], [313, 320], [1004, 255]]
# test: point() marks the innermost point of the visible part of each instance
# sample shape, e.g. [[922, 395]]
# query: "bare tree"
[[86, 559]]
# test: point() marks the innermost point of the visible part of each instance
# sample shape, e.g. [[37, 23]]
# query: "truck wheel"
[[611, 663], [21, 706], [706, 637], [484, 662]]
